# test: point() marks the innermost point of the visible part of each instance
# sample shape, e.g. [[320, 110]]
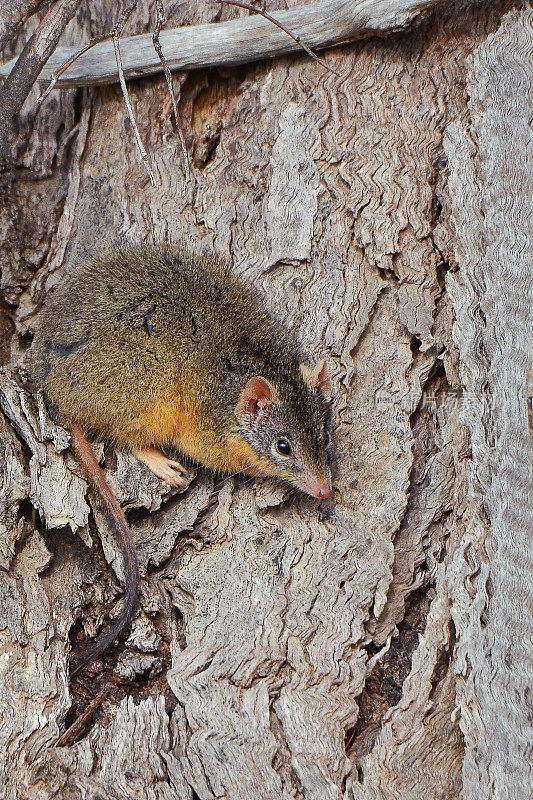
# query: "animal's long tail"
[[99, 484]]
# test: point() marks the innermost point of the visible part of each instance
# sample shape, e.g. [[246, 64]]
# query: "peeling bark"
[[490, 181], [371, 649]]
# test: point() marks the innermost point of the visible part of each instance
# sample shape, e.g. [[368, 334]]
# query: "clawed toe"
[[175, 465], [164, 468], [170, 477]]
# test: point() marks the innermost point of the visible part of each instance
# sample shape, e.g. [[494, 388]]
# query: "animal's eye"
[[283, 446]]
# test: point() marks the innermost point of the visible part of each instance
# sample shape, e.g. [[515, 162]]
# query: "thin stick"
[[114, 34], [117, 29], [141, 148], [293, 36], [160, 21], [71, 734], [66, 64]]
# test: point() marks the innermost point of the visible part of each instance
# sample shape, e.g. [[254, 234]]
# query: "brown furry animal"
[[151, 347]]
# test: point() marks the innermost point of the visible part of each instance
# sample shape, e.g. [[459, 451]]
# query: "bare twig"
[[160, 21], [118, 27], [114, 34], [29, 64], [72, 733], [293, 36], [66, 64], [116, 31], [142, 150]]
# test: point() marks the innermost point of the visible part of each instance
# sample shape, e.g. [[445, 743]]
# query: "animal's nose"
[[316, 485]]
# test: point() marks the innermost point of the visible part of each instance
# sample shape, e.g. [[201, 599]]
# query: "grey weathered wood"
[[374, 650], [491, 187], [239, 41]]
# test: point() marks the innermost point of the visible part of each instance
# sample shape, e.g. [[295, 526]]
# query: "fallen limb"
[[239, 41]]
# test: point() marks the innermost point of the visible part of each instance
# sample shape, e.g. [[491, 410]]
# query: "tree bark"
[[374, 648]]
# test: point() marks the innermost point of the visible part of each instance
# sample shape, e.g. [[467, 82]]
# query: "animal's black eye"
[[283, 446]]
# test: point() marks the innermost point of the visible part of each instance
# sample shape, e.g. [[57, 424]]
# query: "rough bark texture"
[[13, 14], [374, 648]]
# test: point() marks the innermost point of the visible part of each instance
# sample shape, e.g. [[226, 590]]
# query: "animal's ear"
[[317, 377], [257, 395]]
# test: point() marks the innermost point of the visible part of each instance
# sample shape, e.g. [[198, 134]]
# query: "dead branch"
[[13, 14], [114, 32], [114, 35], [71, 734], [29, 64], [66, 64], [321, 24], [127, 100]]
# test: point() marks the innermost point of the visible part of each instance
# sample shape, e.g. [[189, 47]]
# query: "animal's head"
[[285, 423]]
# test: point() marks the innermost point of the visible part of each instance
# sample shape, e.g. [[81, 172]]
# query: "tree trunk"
[[372, 649]]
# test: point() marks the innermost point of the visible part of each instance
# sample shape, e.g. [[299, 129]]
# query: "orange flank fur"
[[175, 421], [171, 420]]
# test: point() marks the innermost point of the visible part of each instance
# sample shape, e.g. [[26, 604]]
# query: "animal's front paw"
[[165, 468]]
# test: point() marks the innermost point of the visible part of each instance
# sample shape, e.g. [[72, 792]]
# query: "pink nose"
[[324, 492], [318, 487]]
